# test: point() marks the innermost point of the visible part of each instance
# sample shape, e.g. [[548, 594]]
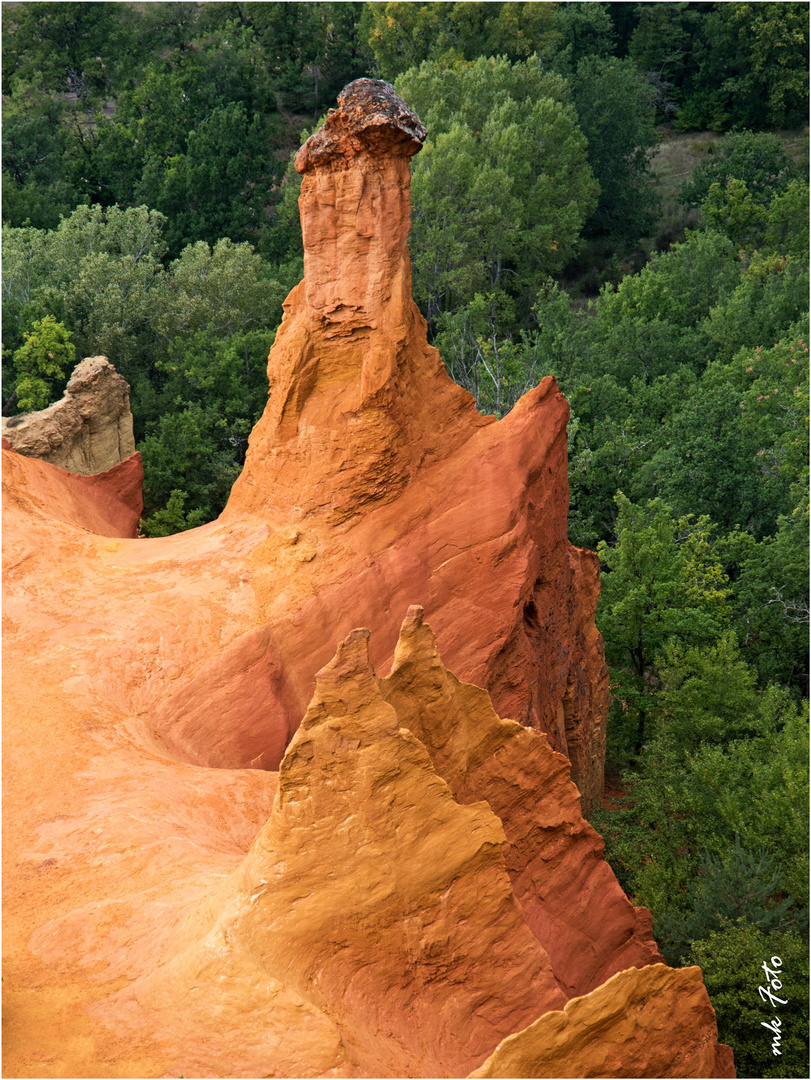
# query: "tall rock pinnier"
[[365, 434]]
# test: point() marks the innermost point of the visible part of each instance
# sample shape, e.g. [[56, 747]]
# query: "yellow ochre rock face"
[[381, 905], [88, 431], [622, 1029]]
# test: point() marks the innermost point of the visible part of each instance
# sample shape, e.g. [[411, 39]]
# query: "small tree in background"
[[43, 362], [756, 159]]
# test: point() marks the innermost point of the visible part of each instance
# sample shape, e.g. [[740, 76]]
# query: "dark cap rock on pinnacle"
[[371, 118]]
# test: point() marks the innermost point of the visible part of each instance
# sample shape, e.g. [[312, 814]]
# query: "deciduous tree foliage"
[[731, 961], [756, 159], [191, 338], [616, 112], [502, 187], [751, 60], [43, 363], [403, 35]]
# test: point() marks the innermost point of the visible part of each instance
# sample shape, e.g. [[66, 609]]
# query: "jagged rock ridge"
[[383, 904]]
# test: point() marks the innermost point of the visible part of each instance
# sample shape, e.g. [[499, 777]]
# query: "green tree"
[[773, 387], [756, 159], [101, 272], [731, 210], [499, 370], [660, 47], [781, 225], [738, 886], [686, 840], [787, 221], [752, 62], [403, 35], [502, 186], [705, 461], [209, 395], [308, 51], [770, 605], [757, 788], [37, 188], [78, 48], [172, 518], [191, 339], [663, 579], [43, 363], [218, 187], [616, 112], [226, 289], [579, 30], [651, 323], [708, 694], [732, 962], [769, 303]]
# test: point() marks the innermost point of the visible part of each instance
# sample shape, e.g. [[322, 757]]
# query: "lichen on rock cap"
[[371, 118]]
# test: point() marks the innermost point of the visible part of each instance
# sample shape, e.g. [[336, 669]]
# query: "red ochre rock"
[[106, 503], [553, 856], [368, 445], [422, 886]]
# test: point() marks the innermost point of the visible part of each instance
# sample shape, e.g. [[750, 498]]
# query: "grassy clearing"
[[671, 166], [674, 161], [795, 143]]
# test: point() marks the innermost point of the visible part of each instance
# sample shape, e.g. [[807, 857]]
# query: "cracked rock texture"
[[88, 431], [199, 882]]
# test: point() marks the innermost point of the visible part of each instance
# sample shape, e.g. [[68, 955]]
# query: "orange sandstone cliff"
[[197, 881]]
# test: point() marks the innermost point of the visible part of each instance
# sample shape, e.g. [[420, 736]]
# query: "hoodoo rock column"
[[358, 399], [365, 433]]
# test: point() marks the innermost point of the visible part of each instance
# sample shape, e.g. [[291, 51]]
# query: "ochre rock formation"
[[88, 431], [553, 857], [415, 886], [618, 1031], [373, 926], [387, 467]]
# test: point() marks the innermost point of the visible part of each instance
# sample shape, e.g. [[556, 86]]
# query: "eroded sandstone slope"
[[373, 928]]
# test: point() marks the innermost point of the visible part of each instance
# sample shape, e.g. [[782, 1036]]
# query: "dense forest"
[[149, 214]]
